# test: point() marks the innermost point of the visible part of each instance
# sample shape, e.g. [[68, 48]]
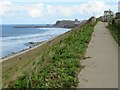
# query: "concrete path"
[[101, 70]]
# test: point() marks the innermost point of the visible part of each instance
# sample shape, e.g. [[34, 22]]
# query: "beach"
[[15, 40], [25, 50], [21, 52]]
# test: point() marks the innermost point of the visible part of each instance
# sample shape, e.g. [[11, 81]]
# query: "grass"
[[56, 66], [115, 31]]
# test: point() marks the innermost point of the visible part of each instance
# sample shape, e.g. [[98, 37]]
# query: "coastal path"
[[101, 68]]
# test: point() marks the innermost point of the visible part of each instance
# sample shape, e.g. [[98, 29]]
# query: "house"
[[118, 15], [108, 15], [76, 22]]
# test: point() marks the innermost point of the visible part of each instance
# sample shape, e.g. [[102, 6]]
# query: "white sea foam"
[[17, 43]]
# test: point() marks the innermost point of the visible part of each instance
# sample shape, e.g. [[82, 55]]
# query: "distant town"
[[111, 17]]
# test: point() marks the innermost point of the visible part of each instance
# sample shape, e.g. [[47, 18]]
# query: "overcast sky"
[[49, 11]]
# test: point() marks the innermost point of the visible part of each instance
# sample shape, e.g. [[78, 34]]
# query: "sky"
[[49, 11]]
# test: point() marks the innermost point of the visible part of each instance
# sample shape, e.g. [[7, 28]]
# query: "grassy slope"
[[56, 66], [115, 32]]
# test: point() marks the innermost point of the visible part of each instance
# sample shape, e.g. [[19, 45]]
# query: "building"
[[107, 15], [76, 22], [118, 15], [119, 6]]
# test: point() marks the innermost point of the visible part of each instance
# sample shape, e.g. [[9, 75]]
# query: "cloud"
[[96, 7], [39, 10], [35, 10], [5, 6], [47, 10]]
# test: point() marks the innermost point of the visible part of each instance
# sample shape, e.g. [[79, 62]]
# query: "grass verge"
[[115, 32]]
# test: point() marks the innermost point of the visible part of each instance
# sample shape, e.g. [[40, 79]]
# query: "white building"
[[107, 15], [119, 6]]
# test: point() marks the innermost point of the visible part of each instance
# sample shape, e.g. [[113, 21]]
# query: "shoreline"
[[25, 50], [19, 53], [29, 47]]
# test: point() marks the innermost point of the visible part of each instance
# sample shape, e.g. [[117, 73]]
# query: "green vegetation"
[[59, 65], [115, 30]]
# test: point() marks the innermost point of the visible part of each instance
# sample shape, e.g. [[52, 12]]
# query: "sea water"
[[14, 40]]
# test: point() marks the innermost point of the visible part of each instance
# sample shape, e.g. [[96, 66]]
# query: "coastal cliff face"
[[67, 23]]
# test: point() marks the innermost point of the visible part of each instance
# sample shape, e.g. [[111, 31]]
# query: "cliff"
[[67, 23]]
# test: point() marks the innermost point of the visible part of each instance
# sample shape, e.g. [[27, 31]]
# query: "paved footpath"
[[101, 69]]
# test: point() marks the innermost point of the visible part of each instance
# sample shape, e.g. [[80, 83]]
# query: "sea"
[[14, 40]]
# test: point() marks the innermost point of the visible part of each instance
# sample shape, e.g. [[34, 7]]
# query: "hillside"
[[115, 28], [53, 64]]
